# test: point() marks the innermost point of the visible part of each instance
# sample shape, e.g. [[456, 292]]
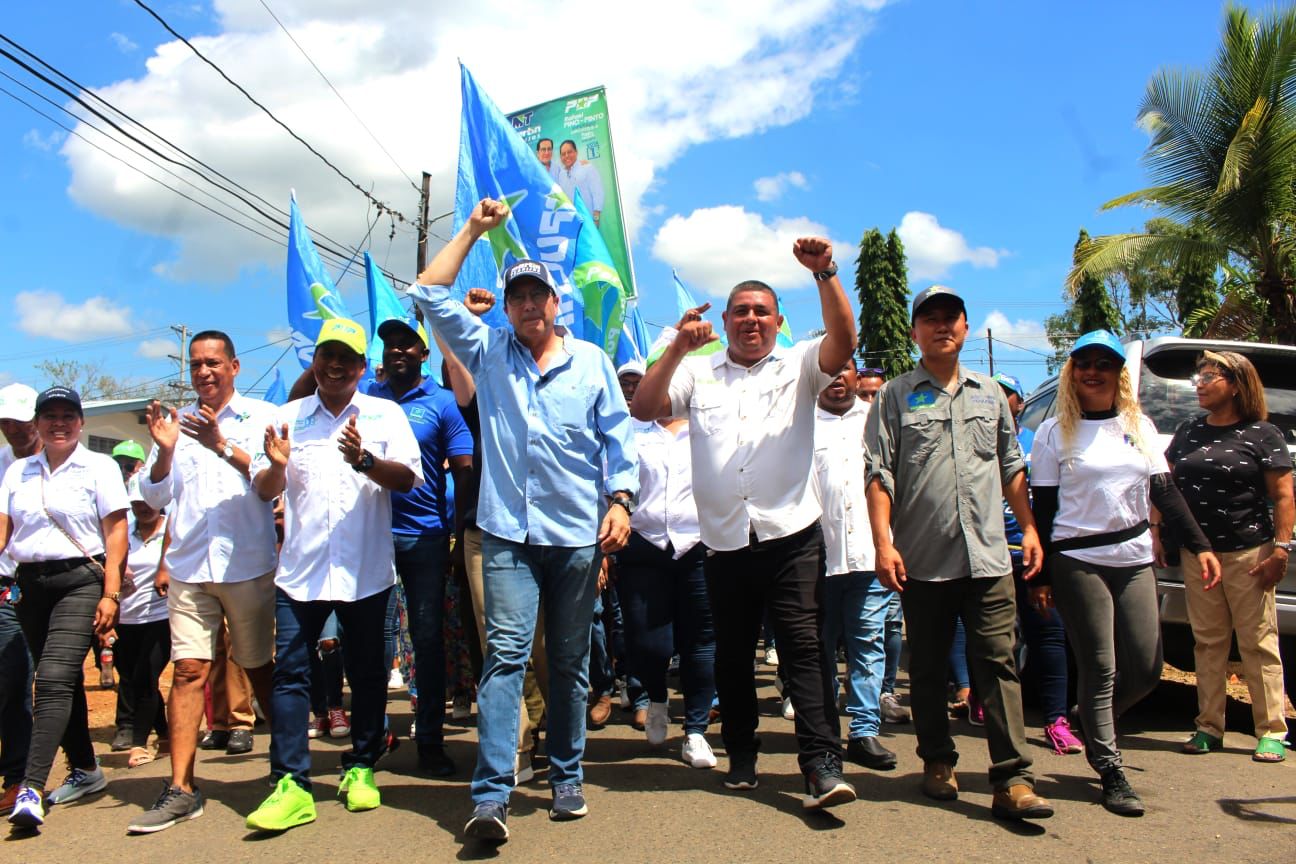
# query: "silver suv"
[[1160, 369]]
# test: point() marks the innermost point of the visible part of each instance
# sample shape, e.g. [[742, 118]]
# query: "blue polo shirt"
[[441, 434]]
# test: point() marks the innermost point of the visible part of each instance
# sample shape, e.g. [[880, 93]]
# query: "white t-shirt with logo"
[[1103, 485], [140, 604]]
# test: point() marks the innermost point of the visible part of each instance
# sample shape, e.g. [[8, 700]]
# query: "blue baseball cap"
[[528, 269], [386, 328], [1099, 339], [1010, 383]]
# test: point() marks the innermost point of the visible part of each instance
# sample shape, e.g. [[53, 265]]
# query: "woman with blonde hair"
[[1229, 464], [1096, 475]]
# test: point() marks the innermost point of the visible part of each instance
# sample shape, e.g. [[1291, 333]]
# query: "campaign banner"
[[544, 224], [571, 138]]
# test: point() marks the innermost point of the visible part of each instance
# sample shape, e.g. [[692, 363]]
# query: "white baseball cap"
[[17, 402]]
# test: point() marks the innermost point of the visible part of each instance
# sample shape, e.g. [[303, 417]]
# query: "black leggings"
[[142, 652], [57, 617]]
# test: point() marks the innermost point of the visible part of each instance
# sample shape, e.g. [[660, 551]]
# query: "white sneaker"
[[697, 752], [658, 723], [522, 773], [78, 784], [788, 712], [395, 681], [771, 656], [28, 812], [891, 709]]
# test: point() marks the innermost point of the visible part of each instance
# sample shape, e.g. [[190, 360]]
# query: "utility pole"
[[990, 348], [421, 249], [181, 359]]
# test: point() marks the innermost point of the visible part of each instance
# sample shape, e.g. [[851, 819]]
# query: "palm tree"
[[1223, 156]]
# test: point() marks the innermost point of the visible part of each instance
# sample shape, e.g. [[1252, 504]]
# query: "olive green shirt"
[[944, 460]]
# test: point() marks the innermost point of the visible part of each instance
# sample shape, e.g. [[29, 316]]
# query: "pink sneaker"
[[1064, 741], [976, 710]]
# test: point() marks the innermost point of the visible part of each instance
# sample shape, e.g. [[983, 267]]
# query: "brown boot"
[[1019, 801], [600, 711], [939, 781]]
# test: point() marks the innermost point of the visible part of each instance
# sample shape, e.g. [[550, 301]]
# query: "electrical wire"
[[221, 72]]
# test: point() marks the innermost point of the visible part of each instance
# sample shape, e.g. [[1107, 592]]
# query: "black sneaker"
[[240, 741], [1117, 795], [433, 760], [488, 822], [742, 770], [825, 786], [122, 740], [215, 739], [869, 752], [172, 806], [568, 802]]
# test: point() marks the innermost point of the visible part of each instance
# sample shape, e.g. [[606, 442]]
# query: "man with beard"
[[751, 411]]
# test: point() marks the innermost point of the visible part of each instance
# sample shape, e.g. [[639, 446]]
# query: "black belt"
[[50, 568], [1107, 538]]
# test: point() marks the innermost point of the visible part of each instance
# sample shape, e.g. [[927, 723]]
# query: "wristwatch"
[[366, 463], [826, 274], [624, 501], [227, 452], [1286, 546], [114, 596]]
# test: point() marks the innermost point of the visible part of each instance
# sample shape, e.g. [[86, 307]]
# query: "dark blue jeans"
[[667, 609], [608, 650], [15, 697], [422, 564], [297, 629], [1042, 656], [326, 669], [958, 662], [894, 642], [57, 617]]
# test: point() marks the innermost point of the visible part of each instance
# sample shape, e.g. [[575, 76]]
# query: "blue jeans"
[[854, 611], [15, 697], [516, 579], [1042, 655], [421, 563], [894, 641], [667, 609], [326, 669], [608, 651], [958, 663], [297, 630]]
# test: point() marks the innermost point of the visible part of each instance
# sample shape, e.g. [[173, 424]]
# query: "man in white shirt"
[[17, 422], [221, 557], [854, 601], [751, 428], [576, 176], [335, 456]]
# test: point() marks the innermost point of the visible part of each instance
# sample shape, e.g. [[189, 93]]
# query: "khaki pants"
[[231, 691], [535, 688], [1237, 605]]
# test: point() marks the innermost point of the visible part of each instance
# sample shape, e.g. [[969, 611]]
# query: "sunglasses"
[[870, 371], [520, 296], [1204, 378], [1100, 364]]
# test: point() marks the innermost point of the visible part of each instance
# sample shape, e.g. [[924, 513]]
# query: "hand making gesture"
[[277, 446], [479, 301], [350, 444], [162, 425], [814, 253]]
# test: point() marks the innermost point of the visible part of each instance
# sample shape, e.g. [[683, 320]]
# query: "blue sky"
[[989, 132]]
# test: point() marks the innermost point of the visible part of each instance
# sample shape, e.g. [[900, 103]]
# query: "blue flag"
[[383, 305], [544, 225], [312, 296], [276, 393], [634, 344]]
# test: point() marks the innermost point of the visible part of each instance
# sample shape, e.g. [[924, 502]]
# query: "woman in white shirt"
[[1096, 474], [63, 518], [143, 646]]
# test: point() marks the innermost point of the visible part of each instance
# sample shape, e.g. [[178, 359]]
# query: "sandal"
[[1201, 743], [1269, 750], [139, 756]]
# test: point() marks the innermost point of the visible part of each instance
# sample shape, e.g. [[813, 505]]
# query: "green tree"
[[1223, 158], [92, 383], [1091, 308], [882, 283]]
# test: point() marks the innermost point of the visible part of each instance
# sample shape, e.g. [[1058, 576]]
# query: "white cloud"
[[715, 248], [157, 349], [44, 143], [1022, 334], [699, 73], [123, 42], [46, 313], [932, 249], [772, 188], [278, 334]]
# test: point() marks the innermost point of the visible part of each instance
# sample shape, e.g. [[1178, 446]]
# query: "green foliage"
[[882, 283], [1223, 157], [92, 383]]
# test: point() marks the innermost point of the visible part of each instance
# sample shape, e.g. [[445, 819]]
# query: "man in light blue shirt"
[[574, 175], [556, 442]]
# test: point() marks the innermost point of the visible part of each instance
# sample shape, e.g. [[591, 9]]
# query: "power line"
[[221, 72], [101, 342], [338, 95]]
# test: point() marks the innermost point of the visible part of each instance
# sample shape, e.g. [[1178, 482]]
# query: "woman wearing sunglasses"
[[1096, 475], [1229, 464]]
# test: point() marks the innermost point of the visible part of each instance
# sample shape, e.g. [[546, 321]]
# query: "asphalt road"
[[646, 805]]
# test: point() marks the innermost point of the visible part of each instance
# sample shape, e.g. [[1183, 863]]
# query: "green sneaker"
[[360, 790], [288, 806]]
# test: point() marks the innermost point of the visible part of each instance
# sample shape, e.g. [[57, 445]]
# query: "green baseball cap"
[[129, 449]]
